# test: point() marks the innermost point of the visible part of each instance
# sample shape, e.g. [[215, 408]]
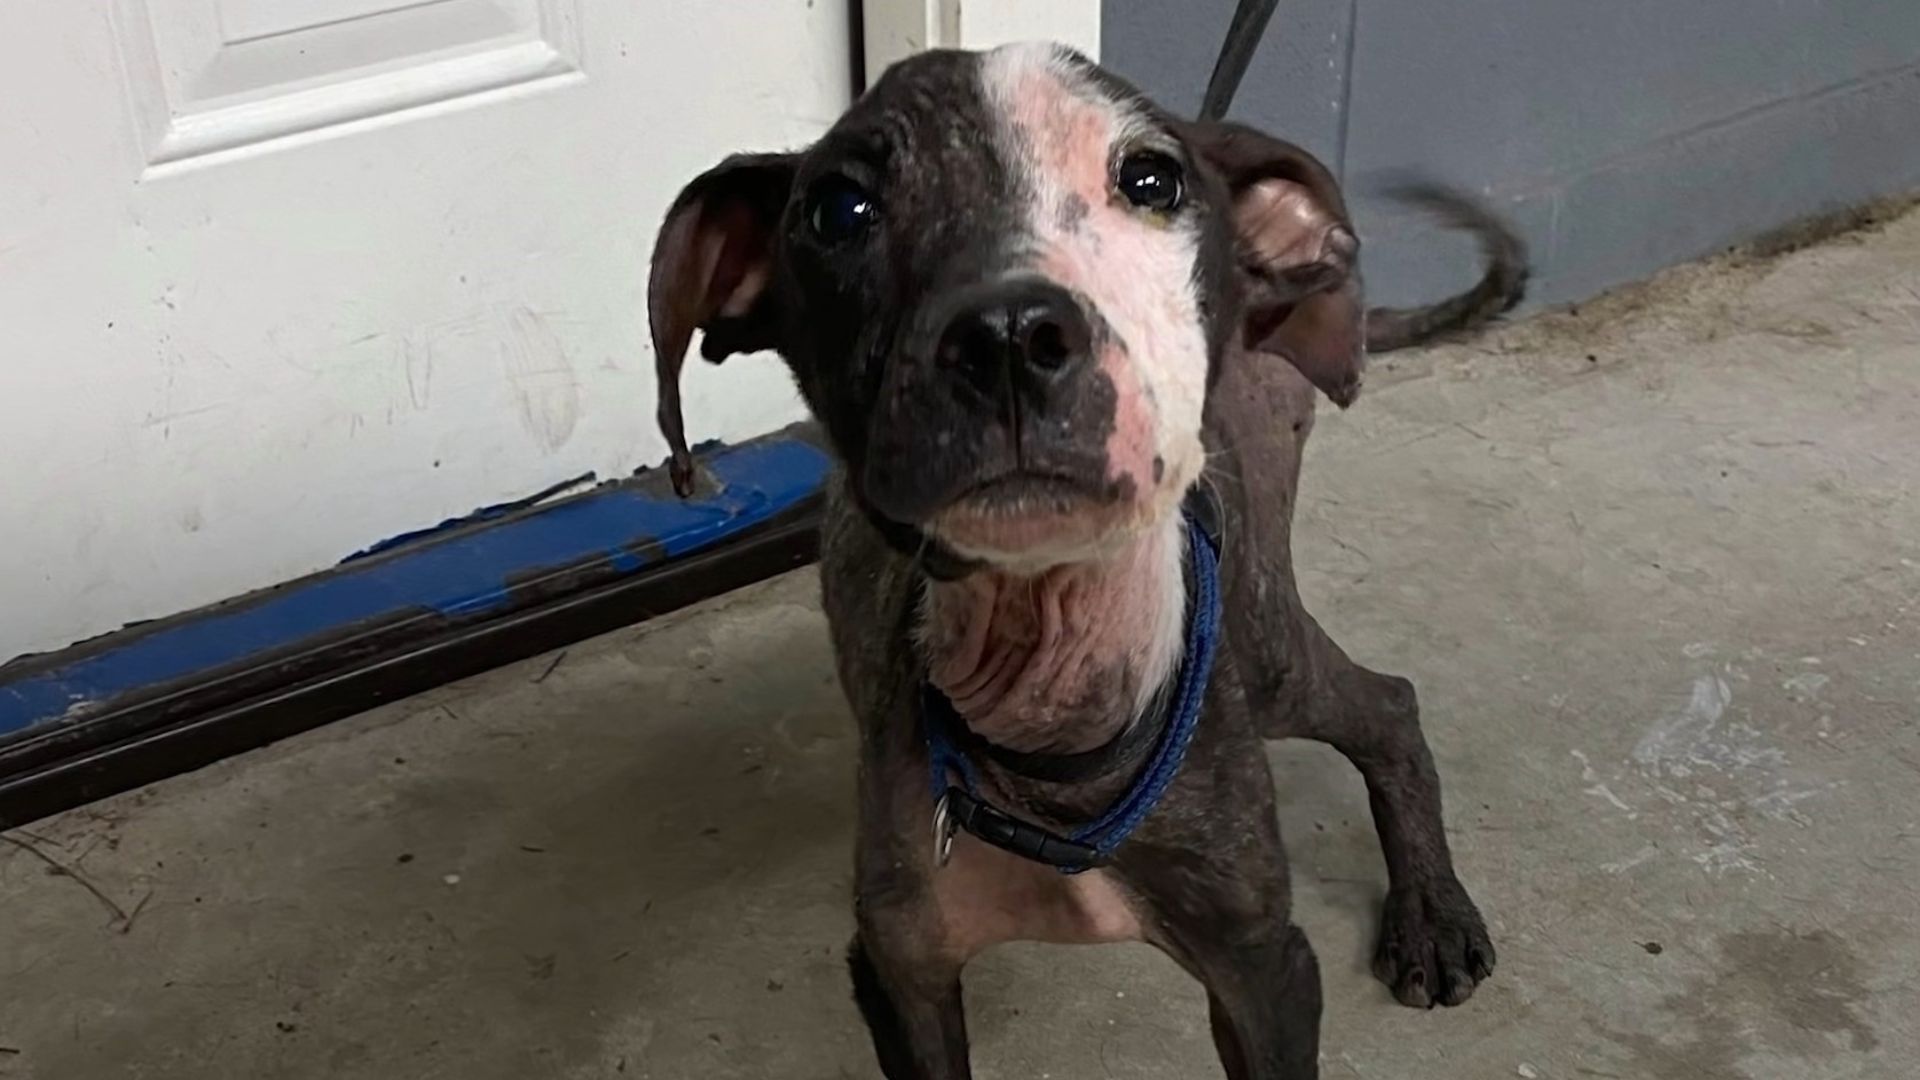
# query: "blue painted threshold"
[[439, 579]]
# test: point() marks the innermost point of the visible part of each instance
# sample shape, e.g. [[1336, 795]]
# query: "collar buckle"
[[991, 825]]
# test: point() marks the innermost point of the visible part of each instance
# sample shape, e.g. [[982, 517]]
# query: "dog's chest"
[[1058, 660], [987, 897]]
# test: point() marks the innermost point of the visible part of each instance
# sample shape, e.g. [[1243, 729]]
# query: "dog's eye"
[[839, 210], [1152, 181]]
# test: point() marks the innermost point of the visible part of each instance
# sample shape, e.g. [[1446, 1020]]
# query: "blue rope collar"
[[960, 806]]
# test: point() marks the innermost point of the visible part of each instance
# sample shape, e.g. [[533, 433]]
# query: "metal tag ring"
[[944, 827]]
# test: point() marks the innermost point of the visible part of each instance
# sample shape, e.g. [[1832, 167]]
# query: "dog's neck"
[[1064, 659]]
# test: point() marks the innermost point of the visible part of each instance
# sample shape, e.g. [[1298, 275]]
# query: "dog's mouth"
[[1024, 515], [1024, 491]]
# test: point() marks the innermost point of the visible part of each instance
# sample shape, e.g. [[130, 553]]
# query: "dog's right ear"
[[711, 267], [1297, 255]]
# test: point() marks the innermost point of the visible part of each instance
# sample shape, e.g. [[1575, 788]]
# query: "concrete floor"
[[1655, 566]]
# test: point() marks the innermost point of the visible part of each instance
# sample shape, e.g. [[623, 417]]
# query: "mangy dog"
[[1035, 316]]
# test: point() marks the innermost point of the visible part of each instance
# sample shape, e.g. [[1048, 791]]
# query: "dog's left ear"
[[1296, 255], [711, 267]]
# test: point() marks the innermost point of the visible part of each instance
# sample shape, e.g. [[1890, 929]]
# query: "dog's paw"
[[1433, 947]]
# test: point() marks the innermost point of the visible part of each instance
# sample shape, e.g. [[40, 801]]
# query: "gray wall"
[[1621, 136]]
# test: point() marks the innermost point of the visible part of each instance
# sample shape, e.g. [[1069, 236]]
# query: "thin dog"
[[1065, 348]]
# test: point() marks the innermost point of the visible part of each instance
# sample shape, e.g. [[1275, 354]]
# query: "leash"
[[960, 806], [1249, 25]]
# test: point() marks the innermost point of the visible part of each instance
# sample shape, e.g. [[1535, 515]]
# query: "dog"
[[1064, 348]]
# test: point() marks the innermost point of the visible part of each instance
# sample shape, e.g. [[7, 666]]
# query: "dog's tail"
[[1501, 287]]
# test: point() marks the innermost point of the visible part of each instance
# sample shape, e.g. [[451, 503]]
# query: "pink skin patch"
[[1062, 659], [987, 897], [1134, 445], [1135, 269]]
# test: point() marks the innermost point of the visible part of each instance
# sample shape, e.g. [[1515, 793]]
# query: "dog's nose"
[[1033, 330]]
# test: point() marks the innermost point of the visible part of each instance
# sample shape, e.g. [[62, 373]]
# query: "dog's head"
[[1004, 282]]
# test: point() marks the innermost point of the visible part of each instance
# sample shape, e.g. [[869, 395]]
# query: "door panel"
[[279, 279], [215, 75]]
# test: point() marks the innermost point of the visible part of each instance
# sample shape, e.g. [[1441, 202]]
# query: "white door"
[[280, 278]]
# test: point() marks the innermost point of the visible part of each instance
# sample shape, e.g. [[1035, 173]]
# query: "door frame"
[[894, 29]]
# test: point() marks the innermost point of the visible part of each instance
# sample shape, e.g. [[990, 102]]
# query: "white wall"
[[898, 28], [224, 372]]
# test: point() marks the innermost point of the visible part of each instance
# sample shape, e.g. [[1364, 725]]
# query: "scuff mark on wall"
[[484, 513], [416, 358], [545, 389]]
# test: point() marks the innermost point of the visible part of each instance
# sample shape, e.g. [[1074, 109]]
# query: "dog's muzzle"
[[997, 394]]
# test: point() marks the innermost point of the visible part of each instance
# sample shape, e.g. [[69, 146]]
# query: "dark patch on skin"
[[1073, 214], [1214, 279], [1159, 467]]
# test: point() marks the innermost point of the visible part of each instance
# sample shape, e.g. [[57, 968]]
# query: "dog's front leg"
[[906, 973], [912, 1009], [1263, 998], [1433, 946], [1224, 916]]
